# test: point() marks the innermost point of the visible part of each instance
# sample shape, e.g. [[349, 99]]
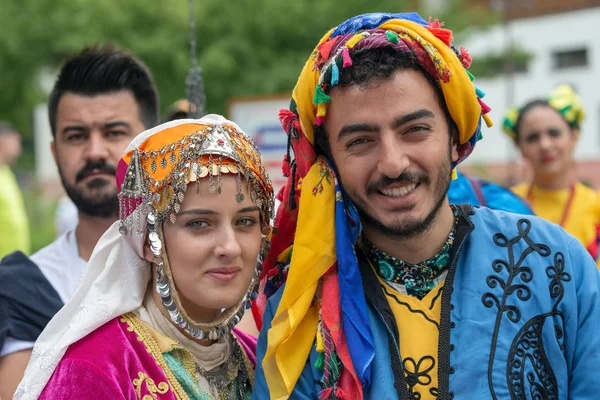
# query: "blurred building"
[[552, 42]]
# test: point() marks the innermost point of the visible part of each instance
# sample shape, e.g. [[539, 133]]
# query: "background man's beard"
[[95, 203], [102, 205]]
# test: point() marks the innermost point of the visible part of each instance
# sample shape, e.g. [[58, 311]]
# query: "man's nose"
[[96, 148], [392, 159]]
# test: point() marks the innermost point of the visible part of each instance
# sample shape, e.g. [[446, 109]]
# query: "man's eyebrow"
[[115, 124], [354, 128], [73, 128], [419, 114]]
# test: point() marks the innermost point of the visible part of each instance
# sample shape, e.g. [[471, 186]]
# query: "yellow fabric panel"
[[294, 325], [584, 214], [418, 327]]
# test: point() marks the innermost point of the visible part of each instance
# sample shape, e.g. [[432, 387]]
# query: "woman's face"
[[212, 247], [546, 141]]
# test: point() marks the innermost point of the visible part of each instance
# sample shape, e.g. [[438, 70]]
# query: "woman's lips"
[[548, 159], [223, 274]]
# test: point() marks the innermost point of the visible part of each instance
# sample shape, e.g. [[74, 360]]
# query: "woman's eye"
[[554, 132], [532, 138], [246, 222]]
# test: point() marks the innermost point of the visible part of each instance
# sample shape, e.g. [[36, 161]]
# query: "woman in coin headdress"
[[546, 132], [165, 286]]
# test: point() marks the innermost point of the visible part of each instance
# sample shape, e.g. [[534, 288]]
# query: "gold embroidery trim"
[[144, 336], [162, 387]]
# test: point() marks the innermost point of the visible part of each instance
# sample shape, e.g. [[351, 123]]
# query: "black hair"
[[101, 70], [530, 105], [379, 64]]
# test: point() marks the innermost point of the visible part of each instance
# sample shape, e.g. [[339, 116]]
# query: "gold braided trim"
[[144, 336], [162, 387]]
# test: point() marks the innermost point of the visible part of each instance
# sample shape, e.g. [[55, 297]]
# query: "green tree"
[[245, 47]]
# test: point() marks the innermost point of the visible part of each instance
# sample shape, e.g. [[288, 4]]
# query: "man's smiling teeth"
[[400, 191]]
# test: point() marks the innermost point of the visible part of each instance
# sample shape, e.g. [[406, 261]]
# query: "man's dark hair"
[[103, 70], [379, 64]]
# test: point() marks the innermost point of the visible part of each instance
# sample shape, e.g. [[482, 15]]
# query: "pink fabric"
[[248, 343], [103, 365]]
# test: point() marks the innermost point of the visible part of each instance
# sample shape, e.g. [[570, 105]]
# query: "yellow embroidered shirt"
[[418, 328]]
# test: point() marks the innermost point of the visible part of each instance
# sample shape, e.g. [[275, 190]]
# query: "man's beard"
[[413, 226], [95, 203]]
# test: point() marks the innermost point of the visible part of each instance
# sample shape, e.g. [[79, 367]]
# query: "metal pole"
[[510, 84], [194, 86]]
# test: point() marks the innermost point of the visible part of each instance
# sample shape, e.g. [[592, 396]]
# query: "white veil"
[[114, 283]]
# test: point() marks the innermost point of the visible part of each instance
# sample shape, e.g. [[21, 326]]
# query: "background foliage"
[[245, 47]]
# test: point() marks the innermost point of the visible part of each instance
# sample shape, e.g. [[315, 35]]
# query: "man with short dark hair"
[[376, 287], [102, 98], [14, 229]]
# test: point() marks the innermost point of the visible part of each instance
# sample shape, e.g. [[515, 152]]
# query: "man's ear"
[[148, 255], [454, 146], [53, 149]]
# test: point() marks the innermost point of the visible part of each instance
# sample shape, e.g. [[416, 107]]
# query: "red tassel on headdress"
[[484, 107], [445, 35], [285, 166], [346, 57], [319, 121], [279, 195], [465, 57], [434, 23], [326, 394], [340, 394], [286, 118], [325, 48], [435, 27]]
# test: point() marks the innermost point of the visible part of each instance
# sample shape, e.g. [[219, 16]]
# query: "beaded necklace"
[[418, 279]]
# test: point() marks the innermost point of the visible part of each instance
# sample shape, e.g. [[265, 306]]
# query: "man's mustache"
[[97, 166], [405, 177]]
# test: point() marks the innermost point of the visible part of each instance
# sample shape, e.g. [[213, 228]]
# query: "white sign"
[[259, 118]]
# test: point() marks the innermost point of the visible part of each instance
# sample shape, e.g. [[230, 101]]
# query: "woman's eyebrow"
[[248, 209], [199, 211]]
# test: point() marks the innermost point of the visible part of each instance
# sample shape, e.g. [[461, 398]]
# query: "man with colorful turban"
[[376, 287]]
